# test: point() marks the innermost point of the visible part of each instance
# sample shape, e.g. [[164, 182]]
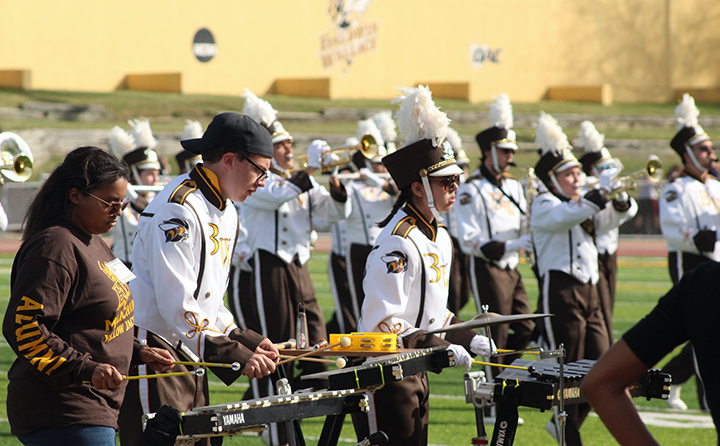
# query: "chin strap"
[[428, 192], [493, 156], [555, 183], [694, 160]]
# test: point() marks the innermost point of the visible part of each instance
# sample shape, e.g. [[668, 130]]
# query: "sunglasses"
[[112, 206], [263, 172], [448, 182]]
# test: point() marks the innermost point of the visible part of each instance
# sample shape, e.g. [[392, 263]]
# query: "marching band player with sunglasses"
[[406, 274], [70, 315]]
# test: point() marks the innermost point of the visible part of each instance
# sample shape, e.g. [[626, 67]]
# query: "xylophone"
[[235, 418], [538, 386]]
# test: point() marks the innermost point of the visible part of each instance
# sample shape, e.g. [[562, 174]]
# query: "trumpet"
[[652, 174], [368, 148], [16, 160]]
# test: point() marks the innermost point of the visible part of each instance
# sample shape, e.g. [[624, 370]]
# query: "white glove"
[[462, 357], [369, 178], [329, 157], [524, 242], [241, 254], [607, 178], [315, 152], [482, 346]]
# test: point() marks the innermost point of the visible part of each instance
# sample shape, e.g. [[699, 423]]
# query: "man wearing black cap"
[[182, 256], [689, 220], [490, 214], [406, 288]]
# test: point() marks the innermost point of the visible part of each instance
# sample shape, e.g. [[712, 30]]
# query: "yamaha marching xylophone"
[[537, 384], [251, 415]]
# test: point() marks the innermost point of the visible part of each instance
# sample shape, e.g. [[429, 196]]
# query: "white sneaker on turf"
[[674, 400]]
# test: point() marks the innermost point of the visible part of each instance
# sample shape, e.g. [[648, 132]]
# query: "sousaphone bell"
[[16, 160]]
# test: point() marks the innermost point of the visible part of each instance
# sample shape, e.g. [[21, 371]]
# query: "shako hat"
[[425, 151], [555, 151], [186, 160], [592, 143], [501, 134], [686, 121], [135, 147], [234, 131], [261, 111]]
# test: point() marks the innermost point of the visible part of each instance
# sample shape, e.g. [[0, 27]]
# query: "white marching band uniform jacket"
[[688, 205], [370, 204], [607, 241], [123, 234], [279, 216], [561, 242], [484, 214], [393, 277], [184, 244]]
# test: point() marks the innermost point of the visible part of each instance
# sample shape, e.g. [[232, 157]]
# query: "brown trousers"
[[607, 269]]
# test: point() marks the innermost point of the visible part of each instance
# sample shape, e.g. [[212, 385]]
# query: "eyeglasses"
[[448, 182], [113, 206], [263, 172]]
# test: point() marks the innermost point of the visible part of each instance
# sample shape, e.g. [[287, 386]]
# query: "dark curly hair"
[[85, 169]]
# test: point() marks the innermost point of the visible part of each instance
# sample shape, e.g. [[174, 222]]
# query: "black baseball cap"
[[234, 131]]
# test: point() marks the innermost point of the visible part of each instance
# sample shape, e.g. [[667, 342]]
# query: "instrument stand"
[[562, 415], [292, 428]]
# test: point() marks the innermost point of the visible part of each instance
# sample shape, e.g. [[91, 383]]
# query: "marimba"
[[537, 385]]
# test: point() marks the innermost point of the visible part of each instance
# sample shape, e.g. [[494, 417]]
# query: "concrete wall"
[[475, 48]]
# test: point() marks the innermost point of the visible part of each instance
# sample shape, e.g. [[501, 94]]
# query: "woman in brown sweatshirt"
[[70, 317]]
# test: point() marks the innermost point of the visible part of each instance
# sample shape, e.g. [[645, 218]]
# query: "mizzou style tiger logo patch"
[[396, 262], [175, 230]]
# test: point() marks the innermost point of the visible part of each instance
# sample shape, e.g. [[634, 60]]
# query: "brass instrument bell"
[[16, 160]]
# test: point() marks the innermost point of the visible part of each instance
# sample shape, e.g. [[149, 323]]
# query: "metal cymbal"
[[488, 320]]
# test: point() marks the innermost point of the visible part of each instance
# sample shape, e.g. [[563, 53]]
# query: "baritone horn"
[[16, 160], [652, 173], [367, 146]]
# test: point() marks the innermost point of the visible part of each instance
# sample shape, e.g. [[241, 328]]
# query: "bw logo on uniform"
[[176, 230], [395, 261]]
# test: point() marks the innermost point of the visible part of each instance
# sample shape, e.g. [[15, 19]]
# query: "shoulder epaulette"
[[443, 225], [182, 191], [404, 227], [508, 175], [477, 176]]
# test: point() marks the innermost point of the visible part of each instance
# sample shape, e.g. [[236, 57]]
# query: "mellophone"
[[538, 386]]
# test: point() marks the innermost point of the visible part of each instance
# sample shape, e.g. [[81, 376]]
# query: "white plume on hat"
[[589, 138], [549, 136], [121, 142], [384, 121], [192, 130], [419, 118], [686, 113], [454, 139], [368, 126], [142, 133], [501, 114], [258, 109]]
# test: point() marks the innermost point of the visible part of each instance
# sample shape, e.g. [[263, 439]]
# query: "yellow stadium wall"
[[643, 50]]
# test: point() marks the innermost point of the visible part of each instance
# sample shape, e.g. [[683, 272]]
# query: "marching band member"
[[69, 305], [405, 282], [187, 160], [595, 160], [689, 220], [182, 257], [563, 232], [459, 281], [136, 148], [354, 237], [490, 214], [279, 222]]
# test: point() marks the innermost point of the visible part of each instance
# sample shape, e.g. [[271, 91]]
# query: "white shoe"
[[520, 421], [674, 400], [551, 427]]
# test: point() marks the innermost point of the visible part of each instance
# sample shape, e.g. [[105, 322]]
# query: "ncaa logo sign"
[[204, 47]]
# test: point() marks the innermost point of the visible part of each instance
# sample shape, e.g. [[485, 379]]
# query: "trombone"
[[16, 161], [652, 174], [368, 148]]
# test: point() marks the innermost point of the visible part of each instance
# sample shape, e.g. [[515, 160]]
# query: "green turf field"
[[641, 281]]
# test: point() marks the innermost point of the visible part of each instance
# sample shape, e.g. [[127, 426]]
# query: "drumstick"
[[344, 342], [529, 352], [197, 372], [235, 365], [340, 362], [500, 365]]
